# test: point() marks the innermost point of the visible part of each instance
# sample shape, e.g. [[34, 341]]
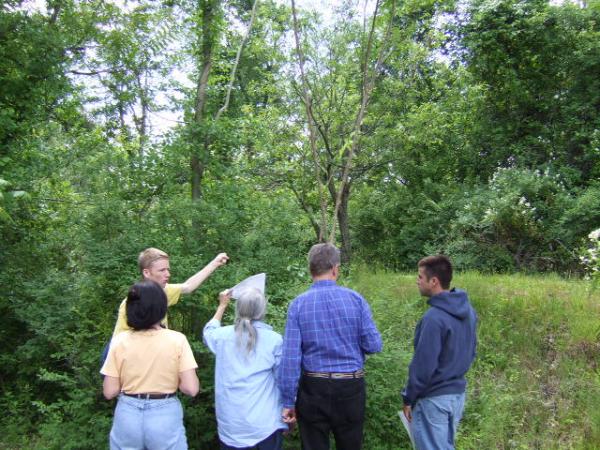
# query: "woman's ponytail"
[[250, 306]]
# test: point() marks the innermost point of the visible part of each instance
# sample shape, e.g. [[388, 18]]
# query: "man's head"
[[324, 259], [154, 266], [435, 275]]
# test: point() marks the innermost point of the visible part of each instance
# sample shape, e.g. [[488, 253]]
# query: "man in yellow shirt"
[[154, 265]]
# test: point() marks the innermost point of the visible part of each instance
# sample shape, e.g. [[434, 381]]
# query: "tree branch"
[[307, 99], [236, 63], [368, 84]]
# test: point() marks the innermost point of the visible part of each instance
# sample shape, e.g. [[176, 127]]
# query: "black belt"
[[150, 396], [336, 375]]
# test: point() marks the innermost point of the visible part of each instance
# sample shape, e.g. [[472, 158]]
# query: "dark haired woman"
[[145, 367]]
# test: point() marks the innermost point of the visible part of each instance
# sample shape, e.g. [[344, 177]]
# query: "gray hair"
[[322, 258], [251, 305]]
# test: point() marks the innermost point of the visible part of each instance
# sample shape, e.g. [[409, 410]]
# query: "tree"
[[538, 65], [331, 163], [131, 53]]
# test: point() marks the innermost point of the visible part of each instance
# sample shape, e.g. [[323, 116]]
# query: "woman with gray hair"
[[247, 400]]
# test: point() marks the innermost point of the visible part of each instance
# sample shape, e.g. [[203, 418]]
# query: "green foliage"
[[517, 216], [63, 303], [398, 226], [590, 257], [489, 153], [583, 214], [514, 95], [538, 66], [536, 339], [521, 220], [534, 381]]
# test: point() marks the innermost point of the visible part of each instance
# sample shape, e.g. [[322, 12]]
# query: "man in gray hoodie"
[[444, 348]]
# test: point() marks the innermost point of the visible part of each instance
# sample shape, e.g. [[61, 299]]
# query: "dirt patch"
[[550, 383], [589, 351]]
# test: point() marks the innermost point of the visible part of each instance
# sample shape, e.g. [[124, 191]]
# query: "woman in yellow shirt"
[[144, 368]]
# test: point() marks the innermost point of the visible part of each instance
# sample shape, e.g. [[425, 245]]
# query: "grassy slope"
[[535, 383]]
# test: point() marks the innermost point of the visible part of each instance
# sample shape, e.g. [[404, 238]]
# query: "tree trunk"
[[341, 199], [197, 173], [200, 155], [342, 216]]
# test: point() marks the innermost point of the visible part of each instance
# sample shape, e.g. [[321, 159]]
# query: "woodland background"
[[394, 128]]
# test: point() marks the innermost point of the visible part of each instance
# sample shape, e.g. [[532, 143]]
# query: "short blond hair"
[[149, 256]]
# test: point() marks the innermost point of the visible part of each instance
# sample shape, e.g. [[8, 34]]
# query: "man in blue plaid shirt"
[[329, 332]]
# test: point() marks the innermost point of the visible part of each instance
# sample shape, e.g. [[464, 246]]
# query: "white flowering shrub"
[[590, 259], [512, 223]]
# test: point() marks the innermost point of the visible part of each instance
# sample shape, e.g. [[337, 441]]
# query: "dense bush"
[[590, 257], [521, 220], [68, 274], [513, 223]]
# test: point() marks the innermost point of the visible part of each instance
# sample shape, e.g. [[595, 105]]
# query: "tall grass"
[[535, 383]]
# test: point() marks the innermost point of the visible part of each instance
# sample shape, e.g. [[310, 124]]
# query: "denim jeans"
[[435, 420], [148, 425]]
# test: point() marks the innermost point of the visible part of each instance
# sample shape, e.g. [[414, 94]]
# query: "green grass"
[[535, 383]]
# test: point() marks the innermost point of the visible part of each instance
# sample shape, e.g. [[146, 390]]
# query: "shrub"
[[512, 223], [590, 257]]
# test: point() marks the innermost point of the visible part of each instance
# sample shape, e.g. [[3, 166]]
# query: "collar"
[[324, 283], [260, 324]]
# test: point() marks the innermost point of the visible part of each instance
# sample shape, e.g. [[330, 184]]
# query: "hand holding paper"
[[406, 424], [224, 297]]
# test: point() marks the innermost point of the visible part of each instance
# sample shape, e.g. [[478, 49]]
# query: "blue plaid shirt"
[[329, 329]]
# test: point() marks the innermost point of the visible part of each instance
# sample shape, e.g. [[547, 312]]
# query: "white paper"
[[254, 282], [406, 424]]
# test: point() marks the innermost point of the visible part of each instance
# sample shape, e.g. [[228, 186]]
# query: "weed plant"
[[535, 383]]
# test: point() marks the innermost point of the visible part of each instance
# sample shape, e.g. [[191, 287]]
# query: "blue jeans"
[[148, 425], [435, 420]]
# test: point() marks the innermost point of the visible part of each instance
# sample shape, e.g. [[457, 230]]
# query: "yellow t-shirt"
[[149, 361], [173, 292]]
